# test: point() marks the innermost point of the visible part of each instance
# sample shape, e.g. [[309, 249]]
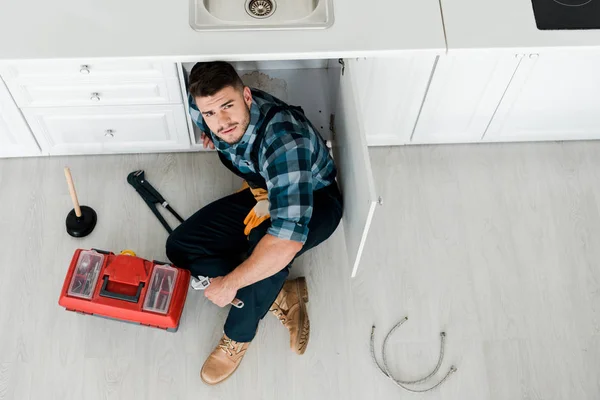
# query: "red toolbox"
[[125, 287]]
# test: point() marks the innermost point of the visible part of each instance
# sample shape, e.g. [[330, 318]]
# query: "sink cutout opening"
[[310, 84]]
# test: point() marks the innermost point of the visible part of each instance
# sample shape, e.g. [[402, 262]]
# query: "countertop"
[[509, 24], [76, 29]]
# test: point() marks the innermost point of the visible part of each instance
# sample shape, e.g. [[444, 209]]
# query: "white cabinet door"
[[354, 168], [463, 95], [96, 130], [16, 139], [390, 91], [553, 96]]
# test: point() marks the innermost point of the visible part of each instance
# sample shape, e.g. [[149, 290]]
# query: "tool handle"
[[237, 303], [203, 282], [149, 188], [72, 192], [104, 292]]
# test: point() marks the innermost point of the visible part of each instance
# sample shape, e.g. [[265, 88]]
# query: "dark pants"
[[212, 243]]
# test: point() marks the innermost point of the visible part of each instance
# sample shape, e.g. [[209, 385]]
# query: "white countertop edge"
[[246, 57], [524, 49]]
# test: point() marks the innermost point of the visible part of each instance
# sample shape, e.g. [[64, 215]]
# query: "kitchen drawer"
[[94, 130], [48, 71], [155, 91]]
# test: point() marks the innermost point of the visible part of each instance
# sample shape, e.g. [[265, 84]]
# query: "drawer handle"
[[109, 133], [85, 69], [95, 97]]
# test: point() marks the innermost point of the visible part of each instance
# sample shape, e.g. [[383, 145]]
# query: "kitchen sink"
[[260, 14]]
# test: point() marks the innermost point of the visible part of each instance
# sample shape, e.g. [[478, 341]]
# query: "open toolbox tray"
[[125, 287], [160, 290]]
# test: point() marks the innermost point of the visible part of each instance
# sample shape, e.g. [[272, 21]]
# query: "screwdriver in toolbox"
[[203, 282]]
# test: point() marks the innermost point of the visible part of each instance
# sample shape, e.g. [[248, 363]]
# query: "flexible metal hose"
[[401, 383], [416, 381]]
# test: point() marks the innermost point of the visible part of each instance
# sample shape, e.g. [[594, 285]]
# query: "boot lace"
[[278, 312], [227, 345]]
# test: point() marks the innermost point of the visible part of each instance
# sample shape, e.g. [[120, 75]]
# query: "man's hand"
[[207, 141], [220, 291]]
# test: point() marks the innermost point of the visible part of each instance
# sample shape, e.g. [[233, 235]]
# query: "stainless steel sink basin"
[[260, 14]]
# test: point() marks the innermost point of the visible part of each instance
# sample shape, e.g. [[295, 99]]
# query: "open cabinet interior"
[[310, 84], [326, 90]]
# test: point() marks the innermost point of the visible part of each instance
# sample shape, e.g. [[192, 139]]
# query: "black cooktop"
[[567, 14]]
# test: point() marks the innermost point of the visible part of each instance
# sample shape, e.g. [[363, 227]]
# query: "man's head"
[[222, 99]]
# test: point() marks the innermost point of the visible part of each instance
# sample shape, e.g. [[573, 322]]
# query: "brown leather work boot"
[[223, 361], [290, 308]]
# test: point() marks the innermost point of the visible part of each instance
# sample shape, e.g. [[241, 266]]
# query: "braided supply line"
[[402, 383]]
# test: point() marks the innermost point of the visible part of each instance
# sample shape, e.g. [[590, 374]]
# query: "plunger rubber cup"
[[84, 225]]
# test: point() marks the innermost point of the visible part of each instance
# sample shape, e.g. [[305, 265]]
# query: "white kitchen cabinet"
[[104, 106], [390, 92], [464, 92], [553, 96], [99, 130], [16, 139]]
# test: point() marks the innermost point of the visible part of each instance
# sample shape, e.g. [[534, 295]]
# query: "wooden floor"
[[498, 245]]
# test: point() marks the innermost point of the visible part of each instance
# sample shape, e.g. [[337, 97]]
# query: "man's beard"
[[243, 126]]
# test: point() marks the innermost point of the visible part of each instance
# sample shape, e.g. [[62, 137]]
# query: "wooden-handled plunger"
[[81, 220]]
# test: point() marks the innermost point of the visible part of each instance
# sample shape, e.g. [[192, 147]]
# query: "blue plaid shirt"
[[293, 159]]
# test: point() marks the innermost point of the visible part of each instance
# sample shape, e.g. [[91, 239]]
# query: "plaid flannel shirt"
[[293, 159]]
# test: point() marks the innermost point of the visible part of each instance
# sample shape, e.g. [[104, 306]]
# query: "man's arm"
[[270, 256]]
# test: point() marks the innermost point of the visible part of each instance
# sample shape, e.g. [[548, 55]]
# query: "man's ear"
[[247, 96]]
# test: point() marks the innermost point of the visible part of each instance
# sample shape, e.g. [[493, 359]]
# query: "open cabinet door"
[[354, 168]]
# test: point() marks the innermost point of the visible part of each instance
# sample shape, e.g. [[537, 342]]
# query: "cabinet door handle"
[[95, 96], [85, 69], [109, 133], [534, 55], [519, 56]]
